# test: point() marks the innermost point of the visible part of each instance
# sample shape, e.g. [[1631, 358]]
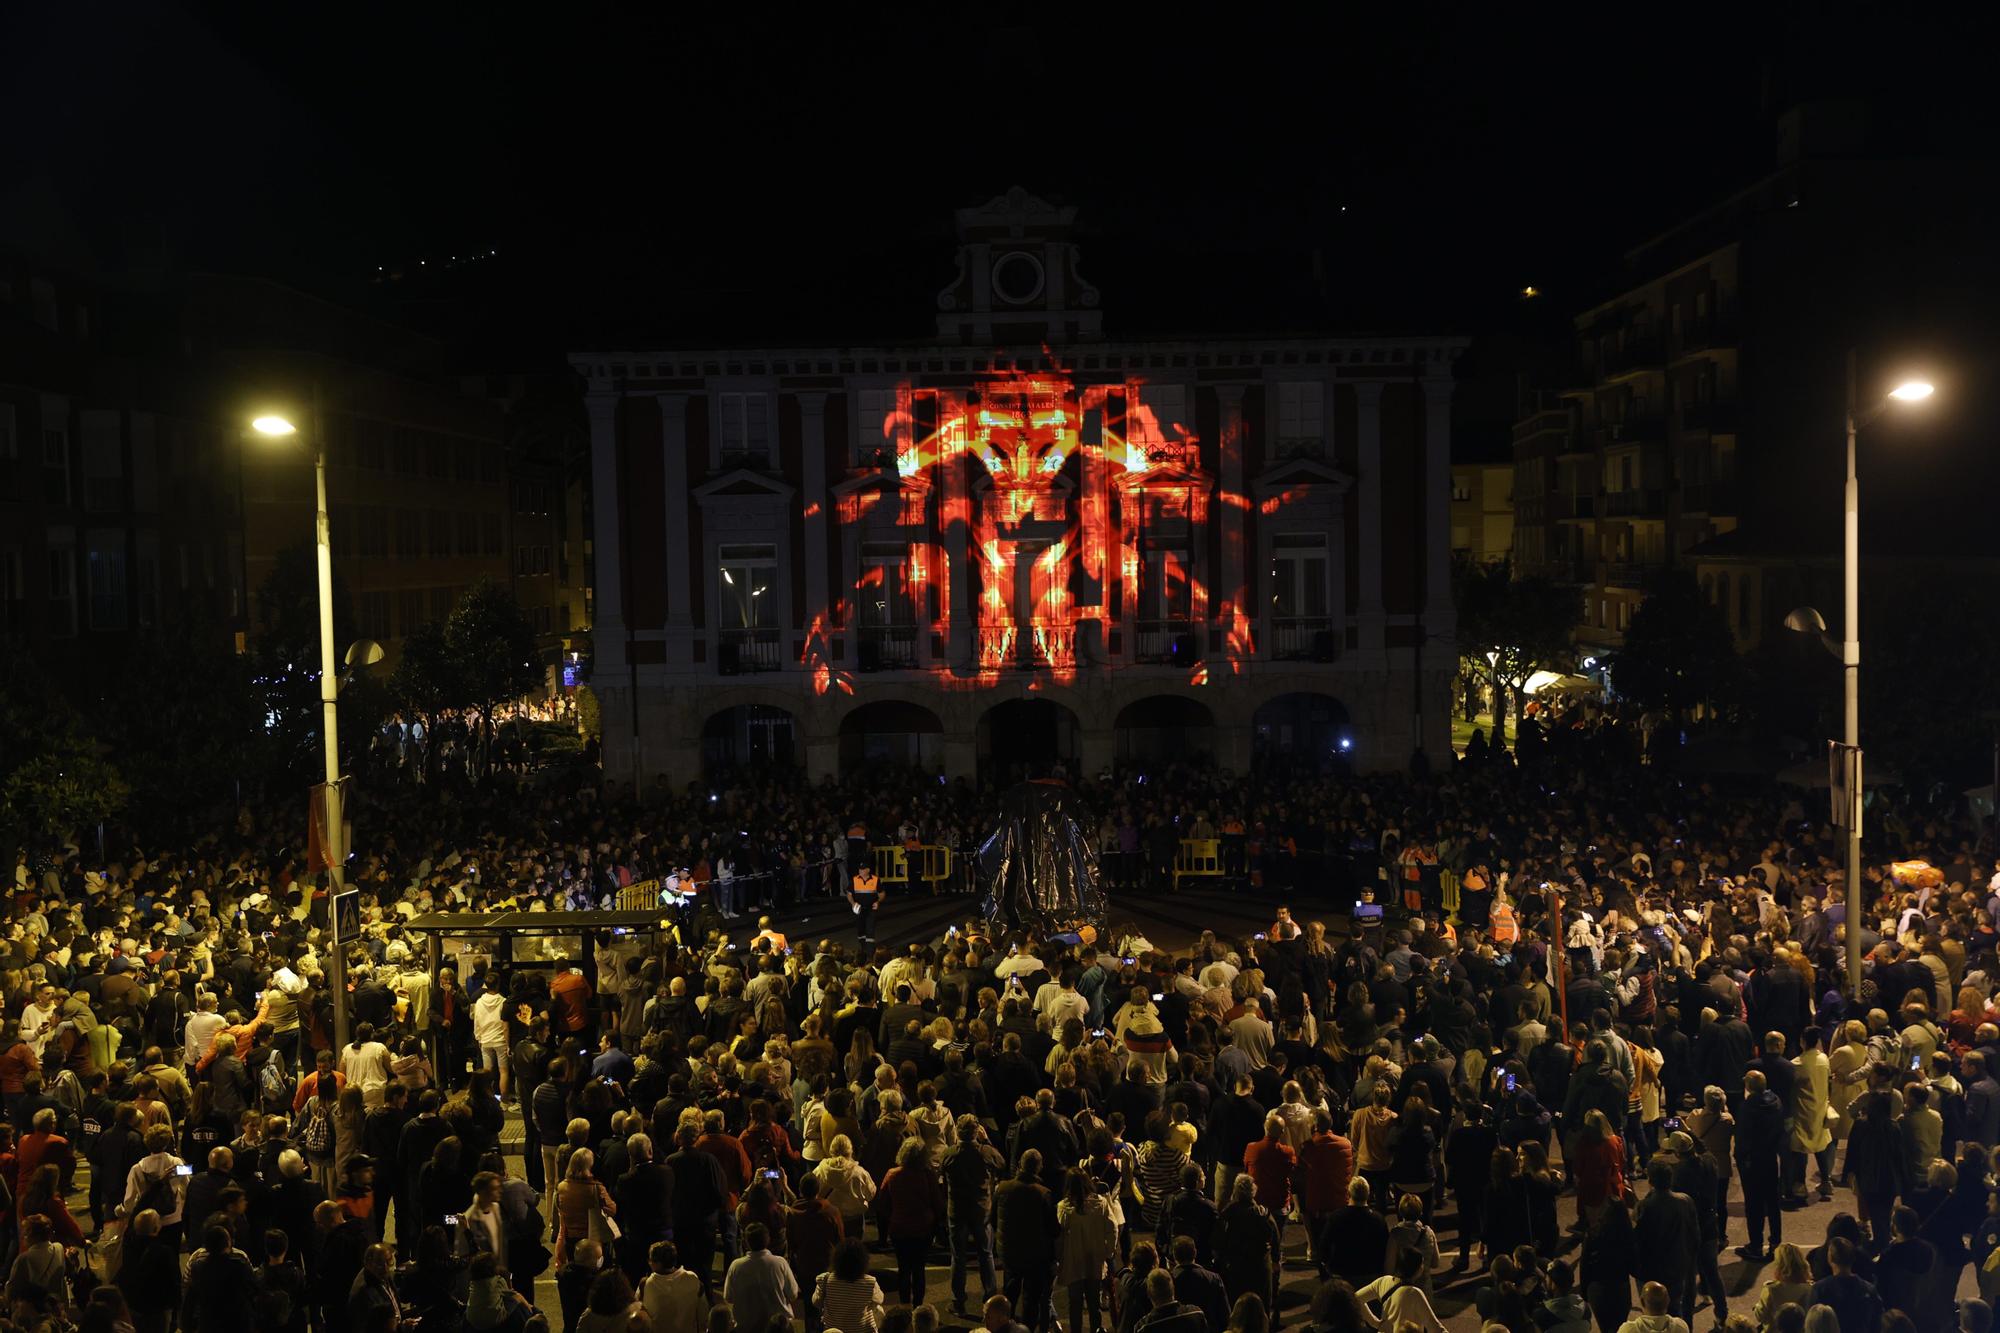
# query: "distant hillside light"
[[1913, 391], [1530, 292], [273, 426]]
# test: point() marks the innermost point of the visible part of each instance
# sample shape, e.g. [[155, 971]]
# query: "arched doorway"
[[891, 731], [1025, 738], [1164, 728], [1307, 732], [748, 736]]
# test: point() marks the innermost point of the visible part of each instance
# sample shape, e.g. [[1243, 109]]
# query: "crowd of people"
[[1599, 1029]]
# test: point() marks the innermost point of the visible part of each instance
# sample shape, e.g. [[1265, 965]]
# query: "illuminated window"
[[746, 430], [1301, 417], [747, 583]]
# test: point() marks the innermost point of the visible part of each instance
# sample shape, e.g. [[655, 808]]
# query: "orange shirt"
[[573, 990]]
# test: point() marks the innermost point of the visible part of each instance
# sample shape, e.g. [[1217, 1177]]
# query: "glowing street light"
[[1806, 620], [273, 426]]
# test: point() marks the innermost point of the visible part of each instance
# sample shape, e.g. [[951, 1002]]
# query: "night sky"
[[773, 179]]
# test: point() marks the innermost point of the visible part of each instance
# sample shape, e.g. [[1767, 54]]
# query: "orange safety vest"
[[1501, 924], [871, 886]]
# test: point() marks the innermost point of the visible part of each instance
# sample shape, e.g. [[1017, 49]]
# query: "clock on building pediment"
[[1017, 281]]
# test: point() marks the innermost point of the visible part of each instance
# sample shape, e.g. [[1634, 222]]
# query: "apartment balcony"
[[1039, 645], [1708, 332], [1622, 574], [1640, 429], [886, 647], [1637, 354], [1154, 640], [1708, 497], [1552, 421], [1302, 639], [1645, 502], [1714, 417], [740, 651], [1563, 507]]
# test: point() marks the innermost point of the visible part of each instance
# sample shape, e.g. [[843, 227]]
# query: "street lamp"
[[363, 653], [1806, 620]]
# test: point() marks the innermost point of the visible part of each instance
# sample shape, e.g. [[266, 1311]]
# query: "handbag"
[[604, 1228]]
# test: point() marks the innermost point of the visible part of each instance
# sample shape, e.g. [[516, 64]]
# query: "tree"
[[1512, 628], [481, 657], [1678, 649], [285, 670], [492, 645], [54, 778]]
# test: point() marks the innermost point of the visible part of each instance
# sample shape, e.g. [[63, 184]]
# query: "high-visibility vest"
[[1501, 923], [866, 884]]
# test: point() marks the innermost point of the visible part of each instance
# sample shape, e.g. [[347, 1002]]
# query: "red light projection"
[[1078, 513]]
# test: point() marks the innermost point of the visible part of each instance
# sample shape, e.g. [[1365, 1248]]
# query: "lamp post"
[[1807, 620], [363, 653]]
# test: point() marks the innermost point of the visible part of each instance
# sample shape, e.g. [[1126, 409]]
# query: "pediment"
[[743, 484], [879, 479], [1293, 474]]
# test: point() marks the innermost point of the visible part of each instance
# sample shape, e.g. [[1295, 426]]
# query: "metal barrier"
[[1198, 858], [1448, 882], [926, 864]]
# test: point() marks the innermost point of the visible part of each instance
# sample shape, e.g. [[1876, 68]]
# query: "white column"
[[608, 642], [812, 484], [1440, 616], [1368, 514], [1232, 585], [679, 513]]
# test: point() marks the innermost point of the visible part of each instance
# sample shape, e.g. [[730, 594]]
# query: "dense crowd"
[[1593, 989]]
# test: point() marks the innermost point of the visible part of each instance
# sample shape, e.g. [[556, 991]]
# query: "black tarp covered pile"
[[1039, 865]]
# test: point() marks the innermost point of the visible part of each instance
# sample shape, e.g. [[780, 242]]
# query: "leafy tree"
[[589, 714], [492, 645], [1678, 649], [483, 656], [285, 669], [1512, 628], [179, 710], [54, 777]]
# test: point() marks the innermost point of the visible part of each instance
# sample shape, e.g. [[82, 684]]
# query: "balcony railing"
[[1633, 502], [753, 649], [1573, 506], [1708, 497], [1153, 640], [1037, 645], [1299, 446], [887, 647], [1623, 574], [751, 460], [1302, 638], [1712, 330], [1638, 352]]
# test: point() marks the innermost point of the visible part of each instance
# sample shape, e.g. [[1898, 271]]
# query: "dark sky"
[[773, 178]]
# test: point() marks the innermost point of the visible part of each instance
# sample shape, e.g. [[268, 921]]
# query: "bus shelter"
[[535, 941]]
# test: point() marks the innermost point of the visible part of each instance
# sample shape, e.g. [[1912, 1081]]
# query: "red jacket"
[[911, 1201], [728, 1153], [1326, 1167], [1269, 1162], [1600, 1170]]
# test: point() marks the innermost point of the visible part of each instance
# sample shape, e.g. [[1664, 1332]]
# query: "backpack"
[[276, 1085], [160, 1196], [316, 1137]]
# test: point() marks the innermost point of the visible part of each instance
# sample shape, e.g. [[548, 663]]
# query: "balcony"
[[1638, 352], [1708, 497], [1302, 639], [1715, 417], [1573, 506], [887, 647], [747, 650], [1636, 429], [1299, 446], [1713, 330], [1039, 645], [1642, 502], [1153, 641], [1623, 574]]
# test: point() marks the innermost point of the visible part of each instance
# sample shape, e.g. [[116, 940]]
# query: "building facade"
[[120, 501], [1482, 511], [1021, 542]]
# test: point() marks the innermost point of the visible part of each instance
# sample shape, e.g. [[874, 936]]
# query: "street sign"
[[346, 918]]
